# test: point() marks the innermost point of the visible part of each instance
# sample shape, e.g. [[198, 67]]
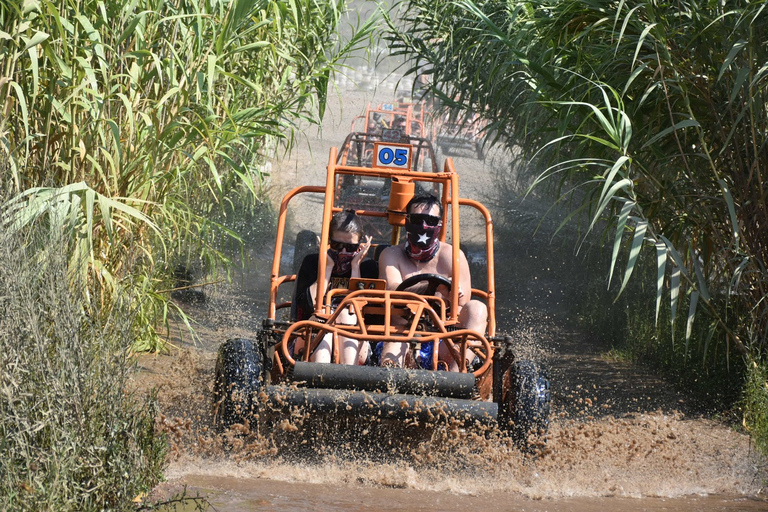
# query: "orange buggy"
[[253, 375]]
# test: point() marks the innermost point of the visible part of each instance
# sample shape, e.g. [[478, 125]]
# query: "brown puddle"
[[249, 494]]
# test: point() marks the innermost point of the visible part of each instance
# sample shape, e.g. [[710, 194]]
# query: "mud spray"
[[615, 433]]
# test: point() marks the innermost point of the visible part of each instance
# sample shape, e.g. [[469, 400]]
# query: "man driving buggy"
[[423, 253]]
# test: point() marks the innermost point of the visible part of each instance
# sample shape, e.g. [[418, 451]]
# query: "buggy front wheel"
[[525, 408], [238, 380]]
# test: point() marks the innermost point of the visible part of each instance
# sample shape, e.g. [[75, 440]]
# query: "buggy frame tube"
[[489, 255], [330, 184], [456, 258], [275, 278]]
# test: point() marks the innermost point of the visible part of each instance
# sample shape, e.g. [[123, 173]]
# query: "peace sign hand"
[[362, 251]]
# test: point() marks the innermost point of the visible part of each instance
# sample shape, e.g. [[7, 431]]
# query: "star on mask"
[[423, 238]]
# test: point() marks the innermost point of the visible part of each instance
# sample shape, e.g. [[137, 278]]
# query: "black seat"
[[378, 250], [307, 275]]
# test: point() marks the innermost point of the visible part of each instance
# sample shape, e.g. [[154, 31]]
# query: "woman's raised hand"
[[362, 251]]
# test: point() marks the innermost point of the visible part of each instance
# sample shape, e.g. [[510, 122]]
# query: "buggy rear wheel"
[[238, 380], [524, 411]]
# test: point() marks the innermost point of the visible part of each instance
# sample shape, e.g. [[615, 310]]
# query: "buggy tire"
[[306, 243], [526, 405], [238, 380]]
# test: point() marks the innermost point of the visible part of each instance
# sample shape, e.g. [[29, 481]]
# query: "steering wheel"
[[433, 282]]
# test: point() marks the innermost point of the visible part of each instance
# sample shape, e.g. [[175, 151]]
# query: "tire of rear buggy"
[[526, 407], [306, 243], [238, 380]]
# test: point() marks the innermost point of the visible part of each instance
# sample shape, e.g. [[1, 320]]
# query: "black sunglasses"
[[338, 246], [418, 218]]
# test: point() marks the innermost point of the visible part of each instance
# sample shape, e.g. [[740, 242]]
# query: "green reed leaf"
[[694, 301], [734, 51], [637, 242], [661, 265], [620, 225]]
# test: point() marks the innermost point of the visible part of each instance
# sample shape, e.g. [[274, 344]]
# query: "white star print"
[[423, 238]]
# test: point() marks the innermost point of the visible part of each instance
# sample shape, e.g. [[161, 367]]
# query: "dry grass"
[[71, 437]]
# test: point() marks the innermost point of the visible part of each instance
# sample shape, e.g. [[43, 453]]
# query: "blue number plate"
[[392, 156]]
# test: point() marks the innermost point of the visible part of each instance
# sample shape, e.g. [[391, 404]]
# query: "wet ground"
[[621, 438]]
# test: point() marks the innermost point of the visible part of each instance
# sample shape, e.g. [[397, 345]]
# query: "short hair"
[[426, 200], [347, 221]]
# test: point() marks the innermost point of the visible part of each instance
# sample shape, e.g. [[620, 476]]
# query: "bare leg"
[[352, 351], [473, 316], [322, 353], [393, 353]]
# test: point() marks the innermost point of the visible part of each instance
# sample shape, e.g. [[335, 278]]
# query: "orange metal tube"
[[362, 213], [489, 258], [279, 364], [327, 214], [275, 279], [388, 300], [335, 347], [382, 172], [365, 297], [444, 200], [455, 239], [343, 330]]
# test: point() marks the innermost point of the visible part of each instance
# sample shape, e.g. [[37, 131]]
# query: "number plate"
[[392, 156], [391, 136]]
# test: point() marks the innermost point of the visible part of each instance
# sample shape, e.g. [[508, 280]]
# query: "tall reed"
[[127, 123], [652, 118]]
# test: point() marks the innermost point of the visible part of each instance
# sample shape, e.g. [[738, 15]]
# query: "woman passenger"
[[346, 255]]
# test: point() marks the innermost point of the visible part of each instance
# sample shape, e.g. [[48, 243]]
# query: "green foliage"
[[71, 437], [712, 373], [651, 118], [655, 132], [755, 404], [131, 122]]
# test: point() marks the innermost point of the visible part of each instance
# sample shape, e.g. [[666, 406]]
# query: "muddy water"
[[621, 439], [247, 494]]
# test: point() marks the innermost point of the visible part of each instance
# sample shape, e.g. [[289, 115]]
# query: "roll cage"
[[427, 319]]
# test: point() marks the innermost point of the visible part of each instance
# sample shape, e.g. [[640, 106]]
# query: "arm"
[[465, 280], [388, 268], [360, 256]]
